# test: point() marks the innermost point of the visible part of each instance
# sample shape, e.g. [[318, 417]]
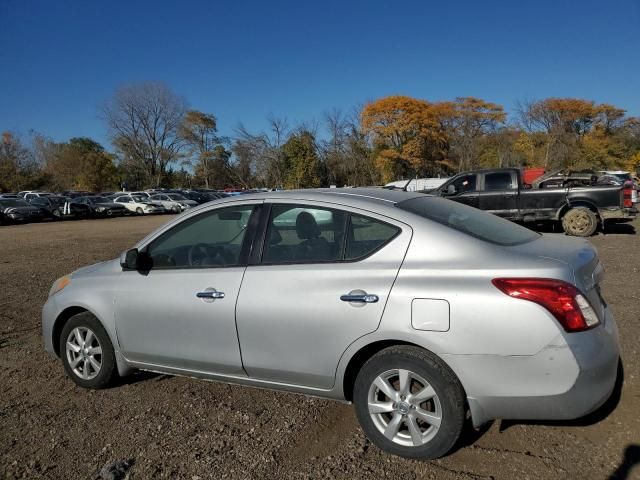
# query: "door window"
[[212, 239], [498, 181], [463, 184], [296, 234]]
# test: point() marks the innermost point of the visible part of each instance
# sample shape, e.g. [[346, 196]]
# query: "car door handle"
[[210, 294], [360, 298]]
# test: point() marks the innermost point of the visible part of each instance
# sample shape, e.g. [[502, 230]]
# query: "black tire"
[[139, 211], [108, 371], [439, 376], [580, 222]]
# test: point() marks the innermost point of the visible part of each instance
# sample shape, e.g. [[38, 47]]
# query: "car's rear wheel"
[[580, 222], [87, 353], [409, 403]]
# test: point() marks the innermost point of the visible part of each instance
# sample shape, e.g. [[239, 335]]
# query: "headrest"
[[306, 226]]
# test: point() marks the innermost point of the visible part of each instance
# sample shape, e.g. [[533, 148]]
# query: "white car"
[[173, 202], [139, 204]]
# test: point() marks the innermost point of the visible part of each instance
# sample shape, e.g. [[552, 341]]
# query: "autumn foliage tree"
[[407, 136]]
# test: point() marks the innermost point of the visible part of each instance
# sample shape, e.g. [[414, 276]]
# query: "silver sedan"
[[417, 309]]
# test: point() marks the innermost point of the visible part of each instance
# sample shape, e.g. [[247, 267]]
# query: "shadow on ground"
[[629, 460]]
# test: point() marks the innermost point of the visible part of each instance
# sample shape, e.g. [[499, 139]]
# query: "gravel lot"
[[170, 427]]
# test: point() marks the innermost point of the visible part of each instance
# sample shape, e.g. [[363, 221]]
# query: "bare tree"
[[143, 121]]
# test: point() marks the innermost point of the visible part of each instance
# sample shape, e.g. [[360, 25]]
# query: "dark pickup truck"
[[502, 192]]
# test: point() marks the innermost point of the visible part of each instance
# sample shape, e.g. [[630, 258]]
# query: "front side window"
[[463, 184], [212, 239]]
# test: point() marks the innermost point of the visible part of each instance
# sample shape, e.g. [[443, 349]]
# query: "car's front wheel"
[[139, 211], [87, 353], [409, 403]]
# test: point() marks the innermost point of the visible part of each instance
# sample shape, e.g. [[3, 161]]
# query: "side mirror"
[[451, 190], [129, 259]]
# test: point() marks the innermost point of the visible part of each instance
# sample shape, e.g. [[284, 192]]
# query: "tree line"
[[157, 140]]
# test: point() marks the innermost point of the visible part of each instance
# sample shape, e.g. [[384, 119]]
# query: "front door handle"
[[360, 298], [210, 294]]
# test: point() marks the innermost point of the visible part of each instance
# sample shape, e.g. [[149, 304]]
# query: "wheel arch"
[[577, 203], [360, 357]]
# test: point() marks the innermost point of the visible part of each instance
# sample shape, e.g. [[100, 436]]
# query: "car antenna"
[[406, 185]]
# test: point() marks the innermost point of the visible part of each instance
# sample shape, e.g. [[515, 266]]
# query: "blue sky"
[[245, 60]]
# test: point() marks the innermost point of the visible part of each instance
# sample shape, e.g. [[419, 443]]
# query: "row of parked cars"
[[32, 205]]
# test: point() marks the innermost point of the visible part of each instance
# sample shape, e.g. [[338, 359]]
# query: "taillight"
[[627, 194], [561, 299]]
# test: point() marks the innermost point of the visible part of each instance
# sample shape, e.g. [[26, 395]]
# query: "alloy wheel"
[[404, 407], [84, 353]]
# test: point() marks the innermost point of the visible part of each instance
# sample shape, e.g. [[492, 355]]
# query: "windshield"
[[11, 202], [175, 196], [98, 200], [139, 198], [471, 221]]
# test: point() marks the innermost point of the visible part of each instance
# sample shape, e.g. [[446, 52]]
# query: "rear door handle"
[[210, 294], [360, 298]]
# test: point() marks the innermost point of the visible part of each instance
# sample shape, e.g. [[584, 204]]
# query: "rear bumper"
[[620, 213], [568, 379]]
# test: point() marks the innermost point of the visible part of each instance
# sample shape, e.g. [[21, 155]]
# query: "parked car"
[[138, 204], [102, 206], [421, 311], [58, 208], [30, 194], [16, 210], [9, 195], [76, 193], [173, 202], [501, 191]]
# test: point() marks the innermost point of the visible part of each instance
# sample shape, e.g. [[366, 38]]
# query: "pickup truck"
[[502, 192]]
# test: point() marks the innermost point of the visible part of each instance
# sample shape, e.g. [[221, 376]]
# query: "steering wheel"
[[202, 254]]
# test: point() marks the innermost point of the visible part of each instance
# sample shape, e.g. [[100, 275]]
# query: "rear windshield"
[[469, 220]]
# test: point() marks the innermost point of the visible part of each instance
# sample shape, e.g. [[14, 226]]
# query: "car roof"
[[347, 196]]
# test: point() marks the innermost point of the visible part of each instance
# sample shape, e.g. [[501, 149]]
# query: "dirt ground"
[[170, 427]]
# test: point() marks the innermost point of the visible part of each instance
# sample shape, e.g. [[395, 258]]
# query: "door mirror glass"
[[129, 259]]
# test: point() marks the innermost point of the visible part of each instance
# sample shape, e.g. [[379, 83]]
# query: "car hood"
[[96, 268]]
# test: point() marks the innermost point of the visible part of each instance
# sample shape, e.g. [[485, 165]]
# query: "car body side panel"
[[292, 325]]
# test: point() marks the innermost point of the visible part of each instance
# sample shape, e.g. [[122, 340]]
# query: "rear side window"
[[366, 235], [469, 220], [298, 234], [498, 181]]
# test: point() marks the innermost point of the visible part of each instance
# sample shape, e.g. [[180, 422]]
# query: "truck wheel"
[[580, 222]]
